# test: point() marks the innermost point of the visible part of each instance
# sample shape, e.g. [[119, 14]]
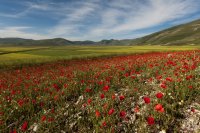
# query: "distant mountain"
[[45, 42], [178, 35]]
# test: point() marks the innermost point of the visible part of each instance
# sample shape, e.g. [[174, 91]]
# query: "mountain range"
[[183, 34]]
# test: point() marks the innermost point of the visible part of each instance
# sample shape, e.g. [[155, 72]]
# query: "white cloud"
[[72, 21], [123, 17], [146, 16], [29, 7], [20, 32]]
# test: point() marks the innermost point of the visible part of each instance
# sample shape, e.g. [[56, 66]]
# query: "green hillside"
[[179, 35]]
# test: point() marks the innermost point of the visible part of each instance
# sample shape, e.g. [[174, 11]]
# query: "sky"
[[92, 19]]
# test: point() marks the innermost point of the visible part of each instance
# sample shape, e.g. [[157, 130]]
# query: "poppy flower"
[[188, 77], [190, 87], [106, 88], [50, 119], [88, 90], [159, 95], [163, 85], [121, 97], [136, 109], [150, 120], [97, 113], [89, 101], [1, 122], [43, 118], [193, 110], [158, 107], [104, 124], [146, 100], [52, 110], [122, 114], [20, 102], [102, 96], [100, 82], [56, 87], [111, 111], [169, 79], [113, 96], [161, 110], [24, 126]]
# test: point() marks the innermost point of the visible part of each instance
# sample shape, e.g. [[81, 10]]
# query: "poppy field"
[[148, 92]]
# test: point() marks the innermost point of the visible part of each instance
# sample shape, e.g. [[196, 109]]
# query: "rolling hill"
[[188, 33], [45, 42], [183, 34]]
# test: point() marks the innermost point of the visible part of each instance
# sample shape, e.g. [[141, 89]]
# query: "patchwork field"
[[18, 56], [155, 90]]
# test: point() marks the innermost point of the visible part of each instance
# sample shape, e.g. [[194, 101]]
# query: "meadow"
[[142, 89], [20, 56]]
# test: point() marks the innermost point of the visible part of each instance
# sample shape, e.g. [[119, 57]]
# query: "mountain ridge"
[[188, 33]]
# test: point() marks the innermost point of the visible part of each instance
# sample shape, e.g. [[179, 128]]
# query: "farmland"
[[19, 56], [155, 90]]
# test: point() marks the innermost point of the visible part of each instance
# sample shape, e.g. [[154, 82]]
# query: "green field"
[[15, 56]]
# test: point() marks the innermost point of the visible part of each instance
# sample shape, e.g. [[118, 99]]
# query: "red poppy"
[[158, 107], [102, 96], [24, 126], [97, 113], [88, 90], [169, 79], [150, 120], [193, 110], [163, 85], [188, 77], [89, 101], [159, 95], [100, 82], [1, 122], [106, 88], [161, 110], [147, 100], [121, 97], [20, 102], [50, 119], [104, 124], [43, 118], [122, 114], [190, 87], [111, 111], [113, 96], [136, 109]]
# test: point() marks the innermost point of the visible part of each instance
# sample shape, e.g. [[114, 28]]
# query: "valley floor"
[[20, 56]]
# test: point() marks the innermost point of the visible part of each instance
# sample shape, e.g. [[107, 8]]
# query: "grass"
[[15, 56]]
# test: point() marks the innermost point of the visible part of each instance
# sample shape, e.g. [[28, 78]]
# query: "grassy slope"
[[14, 56], [182, 34]]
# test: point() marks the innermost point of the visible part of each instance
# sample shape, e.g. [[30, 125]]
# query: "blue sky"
[[92, 19]]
